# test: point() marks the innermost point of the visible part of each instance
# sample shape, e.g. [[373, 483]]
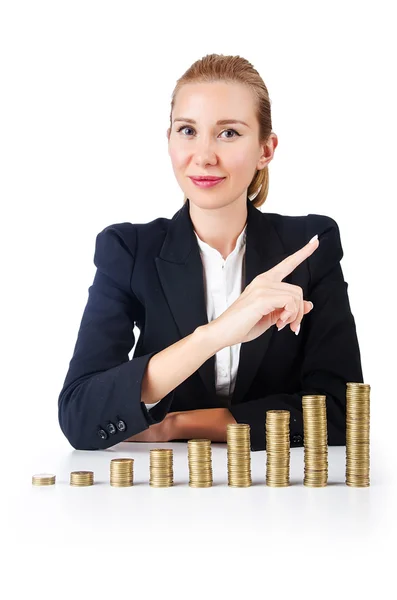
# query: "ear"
[[268, 151]]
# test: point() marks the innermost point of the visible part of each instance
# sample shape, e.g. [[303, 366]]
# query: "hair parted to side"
[[220, 67]]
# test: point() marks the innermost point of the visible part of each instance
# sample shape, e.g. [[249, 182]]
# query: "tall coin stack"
[[200, 463], [357, 434], [277, 448], [81, 478], [161, 467], [238, 454], [121, 472], [315, 440]]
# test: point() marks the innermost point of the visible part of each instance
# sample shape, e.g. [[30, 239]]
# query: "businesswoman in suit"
[[239, 311]]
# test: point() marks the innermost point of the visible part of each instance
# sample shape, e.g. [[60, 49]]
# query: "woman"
[[217, 292]]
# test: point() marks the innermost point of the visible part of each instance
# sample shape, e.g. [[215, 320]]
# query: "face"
[[228, 150]]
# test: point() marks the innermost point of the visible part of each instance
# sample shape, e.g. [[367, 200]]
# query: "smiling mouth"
[[207, 183]]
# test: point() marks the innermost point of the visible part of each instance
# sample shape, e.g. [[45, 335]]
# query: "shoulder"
[[293, 226], [299, 229], [116, 248], [124, 236]]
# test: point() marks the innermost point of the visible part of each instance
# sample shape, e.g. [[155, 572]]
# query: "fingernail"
[[280, 328], [315, 237], [298, 330], [311, 303]]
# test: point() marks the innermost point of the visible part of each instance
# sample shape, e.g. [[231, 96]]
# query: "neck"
[[220, 227]]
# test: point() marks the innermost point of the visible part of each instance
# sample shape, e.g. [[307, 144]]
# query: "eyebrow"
[[221, 122]]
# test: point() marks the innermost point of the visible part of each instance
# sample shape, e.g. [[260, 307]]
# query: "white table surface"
[[253, 534]]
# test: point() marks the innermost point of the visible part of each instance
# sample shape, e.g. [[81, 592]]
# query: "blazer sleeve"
[[331, 350], [100, 401]]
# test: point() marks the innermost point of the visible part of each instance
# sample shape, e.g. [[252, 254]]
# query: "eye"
[[187, 127]]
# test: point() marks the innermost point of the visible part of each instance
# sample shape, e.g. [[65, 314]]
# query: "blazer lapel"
[[181, 274]]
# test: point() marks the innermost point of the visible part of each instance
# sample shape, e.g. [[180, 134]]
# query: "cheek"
[[239, 165], [178, 157], [239, 159]]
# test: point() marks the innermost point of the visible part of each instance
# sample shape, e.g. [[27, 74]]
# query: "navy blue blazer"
[[151, 275]]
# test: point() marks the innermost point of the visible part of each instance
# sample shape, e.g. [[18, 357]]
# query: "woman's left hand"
[[158, 432]]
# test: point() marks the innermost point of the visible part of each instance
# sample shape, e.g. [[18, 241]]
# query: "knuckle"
[[296, 289], [299, 290]]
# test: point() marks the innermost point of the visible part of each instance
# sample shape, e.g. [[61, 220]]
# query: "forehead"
[[209, 102]]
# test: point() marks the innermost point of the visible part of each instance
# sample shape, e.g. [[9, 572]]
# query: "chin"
[[209, 202]]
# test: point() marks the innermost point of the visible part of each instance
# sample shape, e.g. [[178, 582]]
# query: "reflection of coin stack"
[[81, 478], [238, 455], [161, 467], [357, 434], [277, 448], [43, 479], [315, 440], [200, 465], [121, 472]]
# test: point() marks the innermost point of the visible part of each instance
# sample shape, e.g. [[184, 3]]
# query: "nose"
[[204, 152]]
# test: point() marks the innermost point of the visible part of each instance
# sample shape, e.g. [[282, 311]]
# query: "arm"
[[331, 349], [170, 367], [102, 388], [207, 423], [104, 395]]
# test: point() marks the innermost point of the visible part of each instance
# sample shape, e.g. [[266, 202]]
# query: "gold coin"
[[42, 479]]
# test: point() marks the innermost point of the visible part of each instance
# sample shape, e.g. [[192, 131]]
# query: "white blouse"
[[222, 286]]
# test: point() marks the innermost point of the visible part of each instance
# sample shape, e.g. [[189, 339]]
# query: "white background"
[[84, 109]]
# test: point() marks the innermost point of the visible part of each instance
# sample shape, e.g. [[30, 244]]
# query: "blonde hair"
[[218, 67]]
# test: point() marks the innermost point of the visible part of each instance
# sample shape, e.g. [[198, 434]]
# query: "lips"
[[207, 183], [205, 178]]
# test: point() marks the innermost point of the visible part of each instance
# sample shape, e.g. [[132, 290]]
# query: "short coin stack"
[[315, 440], [122, 472], [277, 448], [161, 467], [200, 463], [357, 434], [43, 479], [81, 478], [238, 455]]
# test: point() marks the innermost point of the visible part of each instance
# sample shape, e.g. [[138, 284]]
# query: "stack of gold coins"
[[43, 479], [315, 440], [161, 467], [238, 454], [121, 472], [357, 434], [200, 463], [277, 448], [81, 478]]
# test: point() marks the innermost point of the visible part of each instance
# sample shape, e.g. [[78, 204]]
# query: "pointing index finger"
[[286, 266]]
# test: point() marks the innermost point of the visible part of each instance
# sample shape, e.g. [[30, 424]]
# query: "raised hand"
[[266, 301]]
